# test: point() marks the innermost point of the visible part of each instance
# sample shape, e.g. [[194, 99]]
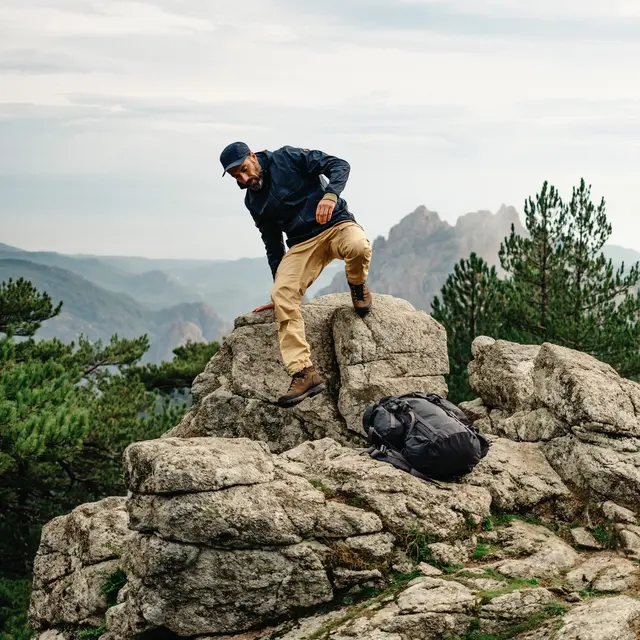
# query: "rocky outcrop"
[[247, 522], [394, 350], [223, 539], [582, 413], [230, 537], [79, 554], [501, 373]]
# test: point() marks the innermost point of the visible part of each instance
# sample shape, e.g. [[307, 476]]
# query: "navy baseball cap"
[[234, 155]]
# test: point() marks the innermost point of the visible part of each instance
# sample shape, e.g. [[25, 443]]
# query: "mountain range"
[[178, 300], [414, 261], [172, 301]]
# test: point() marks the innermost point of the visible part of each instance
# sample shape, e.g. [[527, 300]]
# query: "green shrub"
[[14, 605]]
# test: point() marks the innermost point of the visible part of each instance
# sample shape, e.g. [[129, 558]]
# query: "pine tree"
[[188, 361], [120, 411], [560, 288], [67, 412], [23, 309], [535, 278], [600, 311], [42, 423], [471, 306]]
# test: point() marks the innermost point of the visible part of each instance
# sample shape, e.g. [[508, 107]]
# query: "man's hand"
[[263, 307], [324, 210]]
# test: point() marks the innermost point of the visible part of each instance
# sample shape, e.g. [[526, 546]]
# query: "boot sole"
[[309, 393]]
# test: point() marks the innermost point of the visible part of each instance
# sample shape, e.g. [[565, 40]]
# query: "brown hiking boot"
[[361, 297], [304, 384]]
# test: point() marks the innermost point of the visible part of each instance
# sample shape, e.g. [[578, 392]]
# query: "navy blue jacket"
[[293, 187]]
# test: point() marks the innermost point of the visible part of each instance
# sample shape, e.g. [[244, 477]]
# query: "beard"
[[256, 184]]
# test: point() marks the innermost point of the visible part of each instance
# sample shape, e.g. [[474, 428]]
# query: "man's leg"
[[297, 271], [350, 243]]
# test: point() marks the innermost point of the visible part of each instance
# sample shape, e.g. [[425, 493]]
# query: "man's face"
[[248, 175]]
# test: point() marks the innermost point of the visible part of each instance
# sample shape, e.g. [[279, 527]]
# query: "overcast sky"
[[113, 114]]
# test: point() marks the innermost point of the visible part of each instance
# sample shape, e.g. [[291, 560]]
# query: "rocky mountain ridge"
[[419, 254], [246, 522]]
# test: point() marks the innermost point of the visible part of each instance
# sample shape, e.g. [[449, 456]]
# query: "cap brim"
[[237, 163]]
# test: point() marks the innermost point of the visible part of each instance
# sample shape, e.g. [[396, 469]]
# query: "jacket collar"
[[265, 159]]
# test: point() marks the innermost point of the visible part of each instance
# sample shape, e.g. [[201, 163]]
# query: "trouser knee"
[[286, 300], [360, 249]]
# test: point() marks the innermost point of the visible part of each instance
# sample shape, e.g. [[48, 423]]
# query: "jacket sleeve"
[[273, 243], [317, 163]]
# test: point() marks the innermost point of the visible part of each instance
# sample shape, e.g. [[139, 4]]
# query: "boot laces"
[[358, 291], [296, 378]]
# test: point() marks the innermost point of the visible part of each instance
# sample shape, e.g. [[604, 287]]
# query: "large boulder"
[[517, 475], [231, 537], [582, 391], [394, 349], [615, 618], [587, 416], [501, 373], [78, 553], [608, 468]]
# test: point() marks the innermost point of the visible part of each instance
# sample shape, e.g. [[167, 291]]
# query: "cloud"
[[31, 61], [506, 19], [546, 9], [115, 112], [99, 18]]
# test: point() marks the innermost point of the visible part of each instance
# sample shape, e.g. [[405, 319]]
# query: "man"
[[297, 192]]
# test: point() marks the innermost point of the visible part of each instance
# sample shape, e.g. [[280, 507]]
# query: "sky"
[[113, 113]]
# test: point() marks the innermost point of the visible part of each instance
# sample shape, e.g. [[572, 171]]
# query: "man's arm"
[[274, 244], [316, 163]]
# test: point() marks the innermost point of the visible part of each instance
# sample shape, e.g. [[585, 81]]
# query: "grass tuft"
[[112, 584], [551, 611], [91, 633], [318, 484]]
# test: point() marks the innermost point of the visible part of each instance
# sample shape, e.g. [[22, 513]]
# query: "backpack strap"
[[380, 450], [391, 456]]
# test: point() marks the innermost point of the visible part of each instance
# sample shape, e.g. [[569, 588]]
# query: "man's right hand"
[[263, 307]]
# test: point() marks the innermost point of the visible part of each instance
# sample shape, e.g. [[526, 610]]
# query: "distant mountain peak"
[[422, 221], [422, 249], [423, 212], [507, 212]]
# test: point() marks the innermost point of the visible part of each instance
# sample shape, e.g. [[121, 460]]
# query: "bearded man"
[[296, 192]]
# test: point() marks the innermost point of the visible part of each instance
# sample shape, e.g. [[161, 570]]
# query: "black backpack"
[[424, 435]]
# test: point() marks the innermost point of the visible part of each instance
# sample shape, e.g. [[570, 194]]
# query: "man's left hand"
[[324, 211]]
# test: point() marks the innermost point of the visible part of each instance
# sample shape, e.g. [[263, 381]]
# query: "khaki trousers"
[[297, 271]]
